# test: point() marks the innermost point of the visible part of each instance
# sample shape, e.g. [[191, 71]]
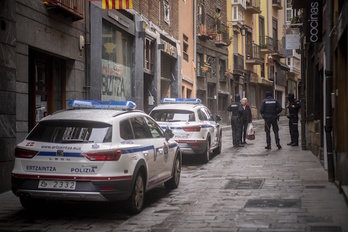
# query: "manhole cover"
[[325, 229], [315, 187], [257, 154], [244, 184], [273, 203]]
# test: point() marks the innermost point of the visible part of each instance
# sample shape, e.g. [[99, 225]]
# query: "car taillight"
[[23, 153], [192, 128], [112, 155]]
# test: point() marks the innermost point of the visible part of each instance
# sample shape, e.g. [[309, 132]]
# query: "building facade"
[[325, 85], [42, 65], [213, 82]]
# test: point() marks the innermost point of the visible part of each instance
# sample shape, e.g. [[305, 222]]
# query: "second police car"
[[96, 151], [193, 125]]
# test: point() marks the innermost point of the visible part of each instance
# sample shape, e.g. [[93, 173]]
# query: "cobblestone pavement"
[[243, 189]]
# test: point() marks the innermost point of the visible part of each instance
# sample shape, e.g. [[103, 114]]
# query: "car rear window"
[[71, 132], [173, 115]]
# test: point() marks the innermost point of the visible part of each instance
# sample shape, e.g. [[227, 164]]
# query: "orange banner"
[[117, 4]]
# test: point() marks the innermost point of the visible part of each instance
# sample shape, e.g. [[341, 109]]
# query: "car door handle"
[[145, 153]]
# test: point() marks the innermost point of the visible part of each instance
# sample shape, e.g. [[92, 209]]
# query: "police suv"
[[193, 125], [95, 151]]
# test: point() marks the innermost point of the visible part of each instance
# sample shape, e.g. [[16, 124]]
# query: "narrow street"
[[242, 189]]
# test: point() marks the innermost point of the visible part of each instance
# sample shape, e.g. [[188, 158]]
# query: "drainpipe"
[[328, 90], [303, 96], [195, 43]]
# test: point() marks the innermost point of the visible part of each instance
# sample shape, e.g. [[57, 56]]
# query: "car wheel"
[[30, 203], [217, 150], [173, 183], [206, 154], [136, 201]]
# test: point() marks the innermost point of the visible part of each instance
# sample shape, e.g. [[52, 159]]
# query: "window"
[[222, 102], [200, 63], [208, 114], [289, 61], [140, 128], [252, 96], [155, 130], [288, 15], [202, 116], [126, 131], [71, 132], [173, 115], [234, 12], [263, 68], [148, 54], [201, 15], [185, 48], [222, 70]]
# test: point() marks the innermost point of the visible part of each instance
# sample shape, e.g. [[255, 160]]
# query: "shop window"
[[116, 63], [149, 55], [185, 48]]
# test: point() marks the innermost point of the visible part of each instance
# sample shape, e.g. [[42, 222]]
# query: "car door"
[[143, 137], [164, 152], [213, 127]]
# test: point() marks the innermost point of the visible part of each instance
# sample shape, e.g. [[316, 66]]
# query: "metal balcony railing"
[[253, 51], [267, 42], [72, 8], [238, 62], [277, 4]]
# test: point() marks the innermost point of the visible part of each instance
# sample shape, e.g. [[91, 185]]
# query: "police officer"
[[293, 107], [270, 108], [236, 120]]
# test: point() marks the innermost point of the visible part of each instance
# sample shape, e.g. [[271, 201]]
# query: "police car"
[[193, 125], [95, 151]]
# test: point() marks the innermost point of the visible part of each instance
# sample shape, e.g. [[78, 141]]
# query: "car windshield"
[[63, 131], [166, 115]]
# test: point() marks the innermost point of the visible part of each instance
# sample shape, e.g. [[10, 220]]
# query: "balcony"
[[238, 64], [69, 8], [253, 6], [266, 44], [253, 54], [278, 48], [207, 27], [294, 65], [223, 38], [277, 4]]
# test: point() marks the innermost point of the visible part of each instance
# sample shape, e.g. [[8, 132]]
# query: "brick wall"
[[153, 10]]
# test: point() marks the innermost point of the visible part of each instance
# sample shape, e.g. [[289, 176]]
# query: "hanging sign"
[[314, 22]]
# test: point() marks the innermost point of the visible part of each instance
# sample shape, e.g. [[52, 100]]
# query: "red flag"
[[117, 4]]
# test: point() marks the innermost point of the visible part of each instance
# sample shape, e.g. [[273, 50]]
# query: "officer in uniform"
[[293, 107], [270, 108], [236, 121]]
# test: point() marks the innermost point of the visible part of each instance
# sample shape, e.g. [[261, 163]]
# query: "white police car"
[[109, 152], [193, 125]]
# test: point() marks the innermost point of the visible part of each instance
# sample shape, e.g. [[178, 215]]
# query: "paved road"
[[242, 189]]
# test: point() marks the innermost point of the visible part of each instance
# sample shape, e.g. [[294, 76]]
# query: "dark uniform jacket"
[[236, 109], [270, 108]]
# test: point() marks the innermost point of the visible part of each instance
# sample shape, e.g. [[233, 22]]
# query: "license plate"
[[57, 184]]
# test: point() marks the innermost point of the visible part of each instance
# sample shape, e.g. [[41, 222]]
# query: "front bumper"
[[88, 190]]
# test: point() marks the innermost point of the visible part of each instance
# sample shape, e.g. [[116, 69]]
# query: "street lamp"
[[243, 30]]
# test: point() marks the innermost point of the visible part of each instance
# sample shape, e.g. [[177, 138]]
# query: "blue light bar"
[[96, 104], [181, 101]]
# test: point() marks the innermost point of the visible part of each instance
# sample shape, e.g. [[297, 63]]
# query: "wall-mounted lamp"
[[243, 30]]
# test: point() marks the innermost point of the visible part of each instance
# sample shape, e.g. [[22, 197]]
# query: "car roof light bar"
[[97, 104], [181, 101]]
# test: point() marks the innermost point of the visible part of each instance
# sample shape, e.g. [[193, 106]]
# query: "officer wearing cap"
[[236, 120], [293, 107], [270, 108]]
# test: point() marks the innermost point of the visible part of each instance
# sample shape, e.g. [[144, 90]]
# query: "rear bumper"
[[85, 190], [192, 146]]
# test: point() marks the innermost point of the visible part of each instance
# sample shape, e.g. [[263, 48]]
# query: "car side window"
[[126, 131], [202, 116], [140, 128], [209, 114], [155, 130]]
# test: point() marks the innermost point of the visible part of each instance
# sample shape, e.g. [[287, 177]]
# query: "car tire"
[[31, 204], [136, 200], [217, 150], [206, 153], [173, 183]]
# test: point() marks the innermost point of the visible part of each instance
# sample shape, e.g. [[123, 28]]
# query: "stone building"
[[42, 65]]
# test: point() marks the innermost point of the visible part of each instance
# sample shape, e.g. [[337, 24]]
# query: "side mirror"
[[217, 118], [168, 134]]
